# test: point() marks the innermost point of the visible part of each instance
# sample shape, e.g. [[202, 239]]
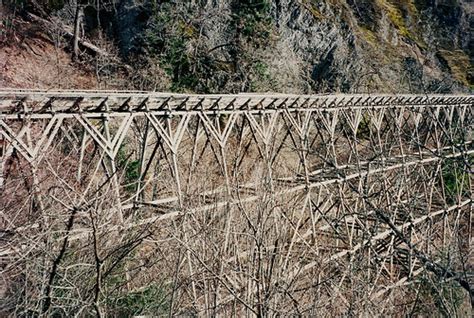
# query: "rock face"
[[302, 46]]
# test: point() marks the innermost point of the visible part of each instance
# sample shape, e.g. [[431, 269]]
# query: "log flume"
[[267, 199]]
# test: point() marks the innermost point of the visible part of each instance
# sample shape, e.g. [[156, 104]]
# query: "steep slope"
[[29, 58], [302, 46]]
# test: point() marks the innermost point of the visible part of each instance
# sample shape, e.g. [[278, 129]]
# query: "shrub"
[[152, 300], [456, 178]]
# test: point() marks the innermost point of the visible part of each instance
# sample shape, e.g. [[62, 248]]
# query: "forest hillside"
[[210, 46]]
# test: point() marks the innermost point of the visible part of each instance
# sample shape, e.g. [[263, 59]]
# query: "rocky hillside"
[[303, 46]]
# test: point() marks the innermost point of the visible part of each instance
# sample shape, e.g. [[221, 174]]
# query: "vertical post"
[[116, 185], [113, 170], [140, 194], [5, 153], [175, 168], [81, 155]]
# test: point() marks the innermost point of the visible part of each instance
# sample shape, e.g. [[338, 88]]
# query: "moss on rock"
[[459, 65]]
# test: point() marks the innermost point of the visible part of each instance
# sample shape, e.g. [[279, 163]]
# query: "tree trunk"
[[77, 27]]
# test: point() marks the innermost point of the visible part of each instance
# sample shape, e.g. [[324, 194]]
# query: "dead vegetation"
[[284, 212]]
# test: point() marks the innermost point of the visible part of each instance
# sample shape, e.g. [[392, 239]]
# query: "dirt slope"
[[30, 59]]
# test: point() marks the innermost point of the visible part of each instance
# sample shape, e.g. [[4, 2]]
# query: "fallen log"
[[68, 32]]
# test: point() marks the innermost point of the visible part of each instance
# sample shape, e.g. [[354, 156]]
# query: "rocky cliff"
[[302, 46]]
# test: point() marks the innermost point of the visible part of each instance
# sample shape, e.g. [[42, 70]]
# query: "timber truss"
[[274, 199]]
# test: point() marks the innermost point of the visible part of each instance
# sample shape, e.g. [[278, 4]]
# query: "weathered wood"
[[291, 181], [69, 33], [78, 20]]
